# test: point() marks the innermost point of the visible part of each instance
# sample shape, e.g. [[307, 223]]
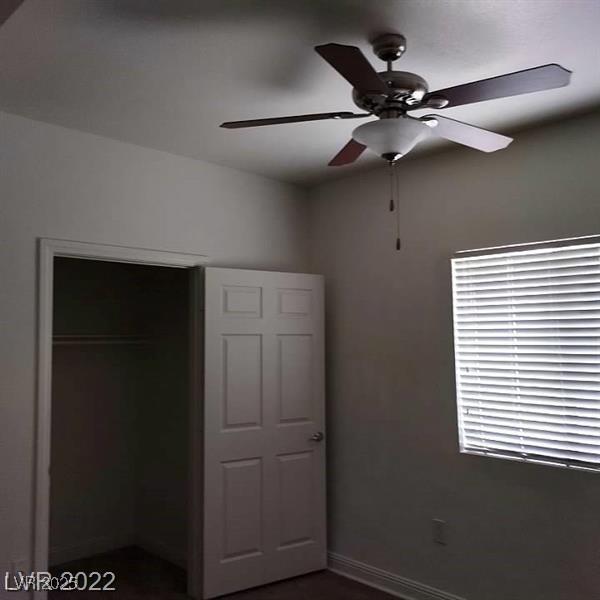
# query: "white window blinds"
[[527, 354]]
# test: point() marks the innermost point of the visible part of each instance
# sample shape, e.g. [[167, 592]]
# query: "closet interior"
[[120, 424]]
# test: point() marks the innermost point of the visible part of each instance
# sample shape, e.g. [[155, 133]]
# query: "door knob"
[[317, 437]]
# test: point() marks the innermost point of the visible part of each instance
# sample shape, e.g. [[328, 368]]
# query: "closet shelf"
[[89, 339]]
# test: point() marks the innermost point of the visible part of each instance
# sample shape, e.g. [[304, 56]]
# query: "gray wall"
[[514, 530], [60, 183]]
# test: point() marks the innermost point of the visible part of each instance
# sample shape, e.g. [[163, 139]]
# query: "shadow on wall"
[[7, 8]]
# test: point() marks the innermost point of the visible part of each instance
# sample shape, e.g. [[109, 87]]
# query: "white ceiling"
[[165, 73]]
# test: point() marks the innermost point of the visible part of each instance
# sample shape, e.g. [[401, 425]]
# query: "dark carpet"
[[142, 575]]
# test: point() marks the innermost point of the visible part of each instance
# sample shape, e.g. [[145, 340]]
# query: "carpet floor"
[[141, 575]]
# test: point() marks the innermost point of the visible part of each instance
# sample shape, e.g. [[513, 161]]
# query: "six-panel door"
[[264, 477]]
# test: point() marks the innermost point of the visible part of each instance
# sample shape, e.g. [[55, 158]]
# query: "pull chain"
[[392, 206], [394, 199], [397, 182]]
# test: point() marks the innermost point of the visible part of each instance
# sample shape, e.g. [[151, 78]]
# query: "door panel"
[[295, 474], [242, 508], [294, 303], [295, 366], [242, 381], [242, 301], [264, 477]]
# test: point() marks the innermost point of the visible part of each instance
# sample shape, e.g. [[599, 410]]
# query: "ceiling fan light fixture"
[[391, 137]]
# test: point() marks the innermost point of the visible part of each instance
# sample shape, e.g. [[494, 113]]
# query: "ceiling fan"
[[390, 95]]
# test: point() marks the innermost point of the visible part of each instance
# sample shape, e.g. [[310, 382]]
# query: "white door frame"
[[48, 250]]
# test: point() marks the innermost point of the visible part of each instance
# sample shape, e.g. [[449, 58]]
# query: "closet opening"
[[120, 477]]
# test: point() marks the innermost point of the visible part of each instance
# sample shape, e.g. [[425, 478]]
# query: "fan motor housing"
[[407, 89]]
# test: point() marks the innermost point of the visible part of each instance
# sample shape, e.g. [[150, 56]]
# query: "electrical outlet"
[[439, 531]]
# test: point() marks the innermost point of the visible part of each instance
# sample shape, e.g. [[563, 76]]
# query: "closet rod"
[[89, 339]]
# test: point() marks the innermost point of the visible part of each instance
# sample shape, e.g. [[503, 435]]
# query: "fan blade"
[[545, 77], [465, 134], [351, 64], [348, 154], [292, 119], [7, 8]]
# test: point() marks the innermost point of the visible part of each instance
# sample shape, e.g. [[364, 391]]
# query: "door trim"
[[48, 249]]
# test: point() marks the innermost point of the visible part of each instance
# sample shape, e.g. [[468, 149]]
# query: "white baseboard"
[[384, 580], [62, 554]]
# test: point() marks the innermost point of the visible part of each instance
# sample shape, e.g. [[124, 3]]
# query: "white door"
[[264, 465]]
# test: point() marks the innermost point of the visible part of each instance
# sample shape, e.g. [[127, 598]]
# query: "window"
[[527, 352]]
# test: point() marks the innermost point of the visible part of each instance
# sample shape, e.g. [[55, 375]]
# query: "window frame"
[[529, 458]]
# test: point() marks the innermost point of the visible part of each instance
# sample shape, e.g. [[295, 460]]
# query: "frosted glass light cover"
[[397, 136]]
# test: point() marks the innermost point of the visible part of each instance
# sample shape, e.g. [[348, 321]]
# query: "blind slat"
[[532, 371], [538, 284], [530, 409], [538, 327], [528, 276], [516, 342], [511, 317], [528, 353], [547, 266], [566, 449], [541, 384], [526, 395], [524, 359], [531, 258], [499, 443], [544, 292], [515, 375], [474, 334], [541, 420], [574, 432], [509, 308]]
